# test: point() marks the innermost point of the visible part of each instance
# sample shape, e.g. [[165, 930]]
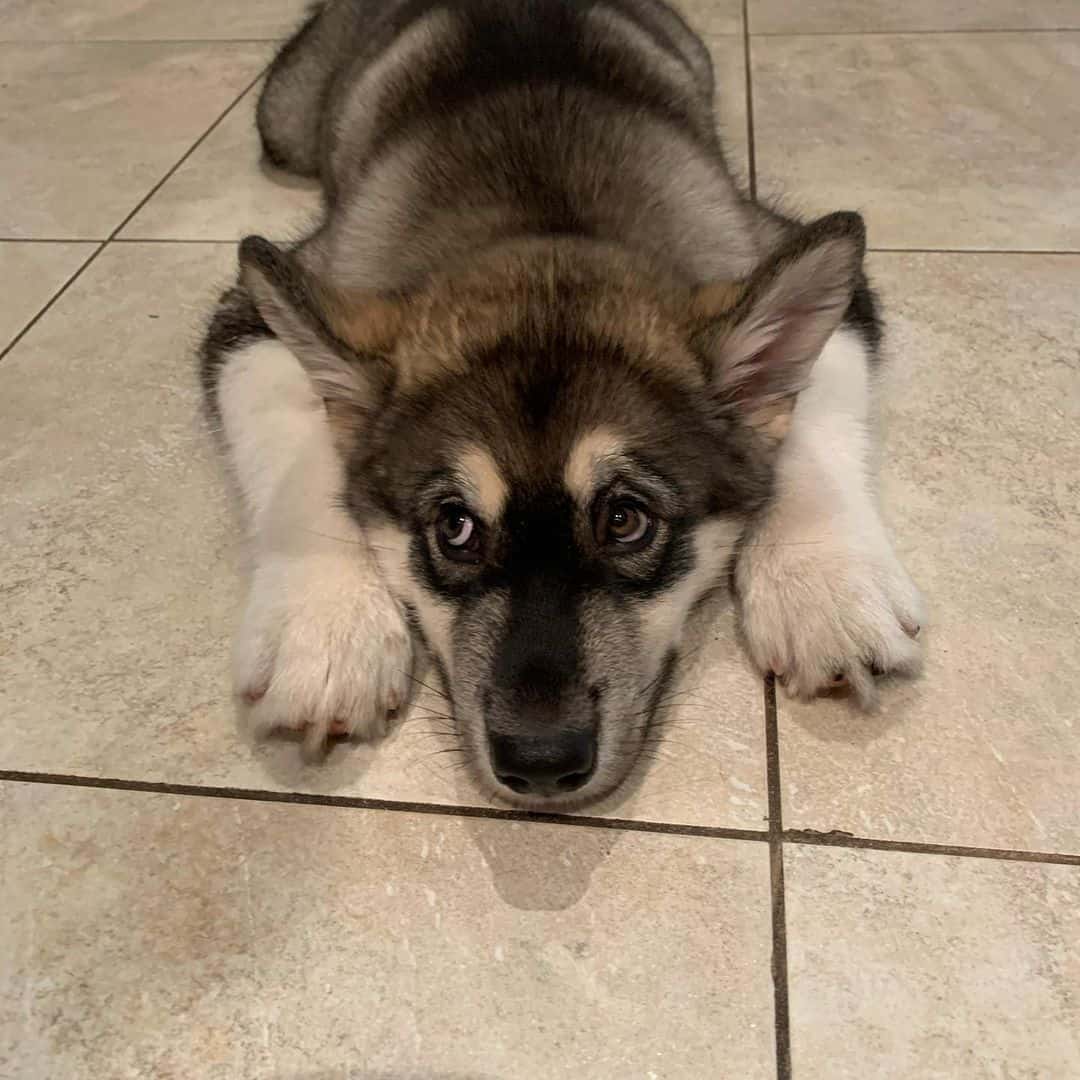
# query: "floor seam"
[[357, 802], [47, 306], [838, 838], [102, 245], [804, 837], [187, 154], [781, 1011], [140, 41], [973, 251], [1067, 252], [918, 33], [751, 150]]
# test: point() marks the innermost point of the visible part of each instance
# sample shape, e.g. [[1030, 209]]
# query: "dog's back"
[[437, 129]]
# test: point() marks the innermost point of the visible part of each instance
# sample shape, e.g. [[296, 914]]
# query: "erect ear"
[[762, 335], [342, 340]]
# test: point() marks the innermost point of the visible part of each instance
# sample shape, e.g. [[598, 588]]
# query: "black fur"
[[535, 43], [863, 316], [234, 323]]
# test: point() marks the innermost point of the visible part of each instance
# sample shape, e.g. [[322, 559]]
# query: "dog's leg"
[[293, 98], [824, 598], [323, 646]]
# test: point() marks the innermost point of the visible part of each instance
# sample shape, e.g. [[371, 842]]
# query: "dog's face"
[[553, 457]]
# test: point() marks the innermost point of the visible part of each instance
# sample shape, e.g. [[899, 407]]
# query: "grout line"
[[106, 240], [1065, 252], [806, 837], [918, 33], [974, 251], [138, 206], [178, 240], [848, 840], [187, 154], [51, 240], [140, 41], [360, 803], [756, 33], [781, 1012], [52, 300], [751, 152]]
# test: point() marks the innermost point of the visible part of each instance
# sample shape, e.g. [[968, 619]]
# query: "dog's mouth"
[[556, 767]]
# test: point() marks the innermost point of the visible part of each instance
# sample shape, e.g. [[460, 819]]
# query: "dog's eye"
[[625, 523], [458, 533]]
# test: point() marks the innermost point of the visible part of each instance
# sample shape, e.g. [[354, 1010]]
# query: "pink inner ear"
[[770, 357], [765, 359]]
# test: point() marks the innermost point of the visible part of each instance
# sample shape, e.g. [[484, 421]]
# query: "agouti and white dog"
[[541, 375]]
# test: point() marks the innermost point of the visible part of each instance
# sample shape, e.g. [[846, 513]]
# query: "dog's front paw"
[[825, 614], [323, 648]]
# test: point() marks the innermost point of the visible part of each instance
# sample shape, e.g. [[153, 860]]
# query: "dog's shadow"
[[534, 865], [541, 867]]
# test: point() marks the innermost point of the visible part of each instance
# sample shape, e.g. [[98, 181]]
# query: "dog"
[[541, 378]]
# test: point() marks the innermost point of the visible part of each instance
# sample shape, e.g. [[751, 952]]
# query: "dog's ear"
[[342, 340], [761, 335]]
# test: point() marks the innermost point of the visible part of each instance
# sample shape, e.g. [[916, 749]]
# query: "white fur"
[[664, 617], [322, 646], [391, 547], [822, 591]]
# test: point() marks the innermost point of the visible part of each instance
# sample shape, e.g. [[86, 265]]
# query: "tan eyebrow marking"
[[583, 463], [483, 482]]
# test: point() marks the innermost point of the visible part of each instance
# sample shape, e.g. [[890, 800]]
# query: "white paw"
[[323, 648], [822, 614]]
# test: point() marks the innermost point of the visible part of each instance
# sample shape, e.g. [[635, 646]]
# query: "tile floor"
[[787, 890]]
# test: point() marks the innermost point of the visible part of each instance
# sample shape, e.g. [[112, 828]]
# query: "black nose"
[[544, 764]]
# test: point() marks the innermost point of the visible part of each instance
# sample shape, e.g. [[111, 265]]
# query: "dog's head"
[[553, 454]]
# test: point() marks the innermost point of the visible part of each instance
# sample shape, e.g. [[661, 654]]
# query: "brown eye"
[[627, 524], [458, 533]]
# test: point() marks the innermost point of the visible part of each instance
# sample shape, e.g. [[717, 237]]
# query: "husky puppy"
[[541, 375]]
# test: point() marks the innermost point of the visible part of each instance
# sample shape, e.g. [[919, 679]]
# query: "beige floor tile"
[[941, 141], [142, 20], [711, 18], [121, 558], [875, 16], [31, 274], [87, 130], [729, 66], [906, 966], [225, 191], [148, 935], [982, 414]]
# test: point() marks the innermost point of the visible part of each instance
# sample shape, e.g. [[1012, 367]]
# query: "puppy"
[[538, 377]]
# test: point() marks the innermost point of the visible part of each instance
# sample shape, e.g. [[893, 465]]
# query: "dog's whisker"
[[328, 536], [420, 682]]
